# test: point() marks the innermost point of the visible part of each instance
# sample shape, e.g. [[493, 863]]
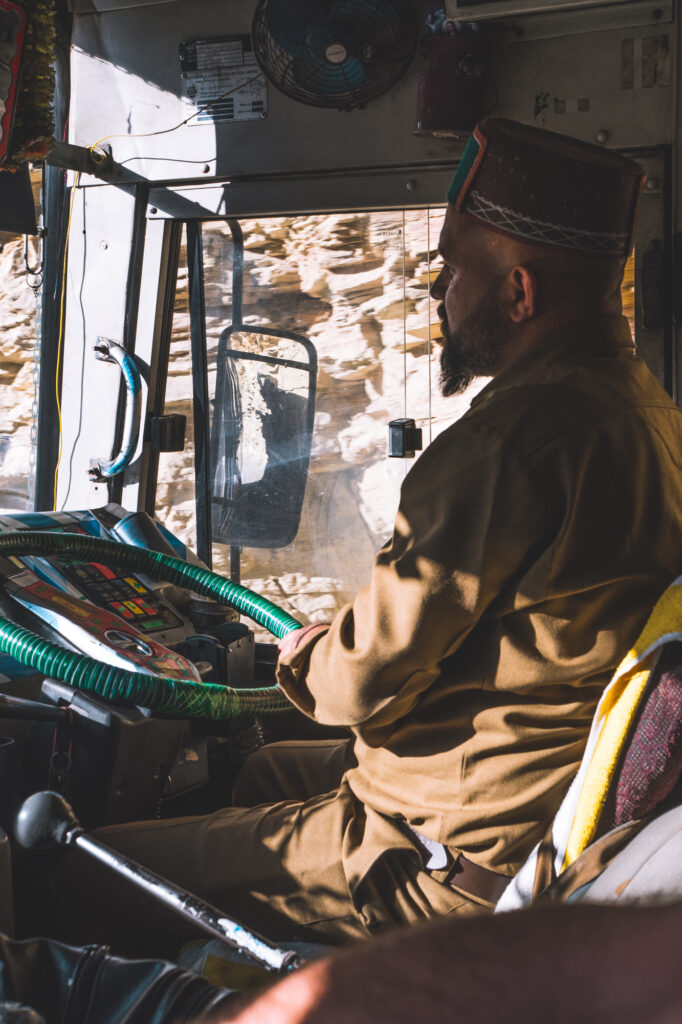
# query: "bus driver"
[[533, 537]]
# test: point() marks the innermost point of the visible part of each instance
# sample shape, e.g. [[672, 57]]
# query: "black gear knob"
[[45, 819]]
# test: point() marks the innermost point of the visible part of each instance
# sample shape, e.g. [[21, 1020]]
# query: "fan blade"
[[326, 79], [288, 21]]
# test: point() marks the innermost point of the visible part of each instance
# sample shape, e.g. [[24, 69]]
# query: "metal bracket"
[[167, 433], [99, 162], [404, 439]]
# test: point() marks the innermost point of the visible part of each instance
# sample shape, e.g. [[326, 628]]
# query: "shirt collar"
[[598, 336]]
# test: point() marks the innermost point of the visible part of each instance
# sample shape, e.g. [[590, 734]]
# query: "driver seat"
[[628, 784]]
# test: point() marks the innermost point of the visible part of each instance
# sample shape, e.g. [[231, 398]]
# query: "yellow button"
[[136, 585]]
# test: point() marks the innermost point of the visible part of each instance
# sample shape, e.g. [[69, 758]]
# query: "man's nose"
[[438, 289]]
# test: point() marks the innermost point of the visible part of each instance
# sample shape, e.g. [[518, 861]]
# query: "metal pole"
[[197, 326]]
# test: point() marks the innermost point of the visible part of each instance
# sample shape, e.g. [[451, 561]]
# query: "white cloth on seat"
[[648, 869]]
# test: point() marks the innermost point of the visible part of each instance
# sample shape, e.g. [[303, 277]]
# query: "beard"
[[473, 349]]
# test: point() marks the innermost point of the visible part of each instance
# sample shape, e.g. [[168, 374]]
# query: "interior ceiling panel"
[[481, 9], [99, 6]]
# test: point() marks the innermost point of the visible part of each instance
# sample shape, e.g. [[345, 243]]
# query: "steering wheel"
[[181, 698]]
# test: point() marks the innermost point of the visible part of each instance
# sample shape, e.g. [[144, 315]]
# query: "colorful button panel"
[[100, 585]]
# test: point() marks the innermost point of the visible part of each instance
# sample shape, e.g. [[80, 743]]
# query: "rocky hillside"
[[17, 313], [357, 286]]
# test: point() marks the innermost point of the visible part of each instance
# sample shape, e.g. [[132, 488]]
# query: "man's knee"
[[290, 770]]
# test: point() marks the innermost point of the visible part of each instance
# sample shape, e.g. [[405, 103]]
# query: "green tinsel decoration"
[[33, 132]]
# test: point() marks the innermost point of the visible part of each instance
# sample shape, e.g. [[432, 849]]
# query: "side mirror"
[[261, 435]]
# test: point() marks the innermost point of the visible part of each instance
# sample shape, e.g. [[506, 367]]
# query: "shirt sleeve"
[[472, 521]]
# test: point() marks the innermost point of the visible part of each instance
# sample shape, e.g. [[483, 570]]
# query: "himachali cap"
[[548, 188]]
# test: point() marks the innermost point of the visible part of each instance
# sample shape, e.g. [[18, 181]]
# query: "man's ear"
[[521, 294]]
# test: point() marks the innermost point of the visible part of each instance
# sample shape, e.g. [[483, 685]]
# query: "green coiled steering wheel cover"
[[186, 699]]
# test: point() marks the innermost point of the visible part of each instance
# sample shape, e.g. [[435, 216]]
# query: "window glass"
[[19, 367], [175, 490], [627, 292], [355, 287]]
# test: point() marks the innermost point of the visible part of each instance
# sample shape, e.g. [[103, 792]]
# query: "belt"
[[463, 874], [472, 878]]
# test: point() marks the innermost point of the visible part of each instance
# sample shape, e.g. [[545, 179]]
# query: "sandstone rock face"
[[357, 286], [17, 342]]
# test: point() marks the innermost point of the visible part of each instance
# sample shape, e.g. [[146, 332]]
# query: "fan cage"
[[334, 53]]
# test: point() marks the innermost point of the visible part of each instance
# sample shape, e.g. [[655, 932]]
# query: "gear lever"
[[46, 819]]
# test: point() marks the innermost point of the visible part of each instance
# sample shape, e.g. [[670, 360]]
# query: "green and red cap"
[[547, 188]]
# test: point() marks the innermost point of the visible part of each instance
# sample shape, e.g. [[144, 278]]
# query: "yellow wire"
[[60, 338], [165, 131]]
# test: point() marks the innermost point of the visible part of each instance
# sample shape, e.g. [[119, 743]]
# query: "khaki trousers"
[[277, 867]]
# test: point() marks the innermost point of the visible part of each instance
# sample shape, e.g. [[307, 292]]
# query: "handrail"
[[111, 352]]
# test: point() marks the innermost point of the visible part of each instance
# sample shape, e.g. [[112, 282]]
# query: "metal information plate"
[[221, 80]]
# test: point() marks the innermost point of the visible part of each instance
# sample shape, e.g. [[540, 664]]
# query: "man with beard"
[[532, 539]]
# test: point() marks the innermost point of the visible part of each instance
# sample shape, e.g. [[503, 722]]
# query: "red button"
[[122, 610], [108, 573]]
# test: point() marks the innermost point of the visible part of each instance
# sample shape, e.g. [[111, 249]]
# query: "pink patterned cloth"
[[652, 764]]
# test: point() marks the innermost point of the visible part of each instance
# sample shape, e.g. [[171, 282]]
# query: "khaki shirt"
[[532, 539]]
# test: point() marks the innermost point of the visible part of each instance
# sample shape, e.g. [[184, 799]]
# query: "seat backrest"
[[632, 764], [649, 868]]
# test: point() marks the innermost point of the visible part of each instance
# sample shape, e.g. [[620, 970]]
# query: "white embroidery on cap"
[[544, 231]]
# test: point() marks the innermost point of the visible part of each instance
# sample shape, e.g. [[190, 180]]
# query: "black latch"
[[677, 280], [404, 439], [167, 433], [653, 273]]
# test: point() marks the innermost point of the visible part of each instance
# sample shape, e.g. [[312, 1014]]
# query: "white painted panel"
[[99, 251], [129, 59]]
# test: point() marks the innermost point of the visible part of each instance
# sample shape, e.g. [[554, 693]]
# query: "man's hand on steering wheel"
[[292, 641]]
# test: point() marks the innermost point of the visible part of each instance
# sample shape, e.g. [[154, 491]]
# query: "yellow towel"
[[615, 715]]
